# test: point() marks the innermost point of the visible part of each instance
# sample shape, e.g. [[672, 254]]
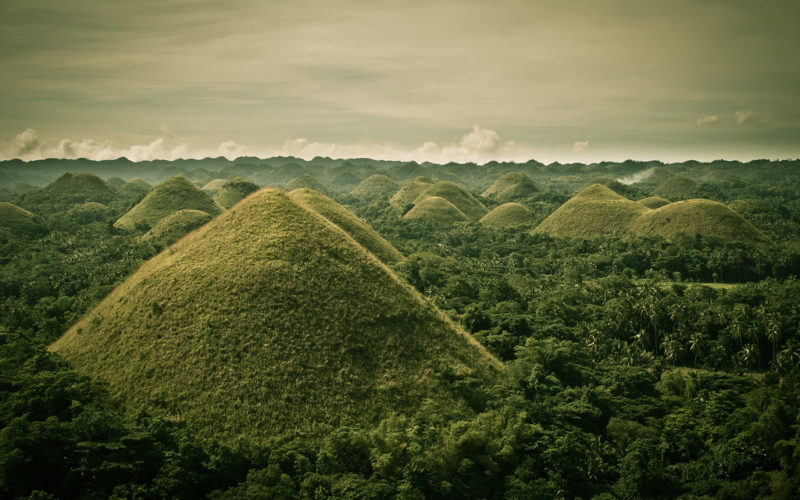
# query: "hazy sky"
[[450, 80]]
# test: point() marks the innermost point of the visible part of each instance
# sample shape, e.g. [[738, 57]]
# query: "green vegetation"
[[675, 187], [704, 217], [352, 225], [718, 176], [635, 367], [511, 186], [375, 186], [168, 197], [308, 181], [436, 211], [67, 191], [654, 202], [18, 220], [343, 340], [507, 215], [213, 186], [175, 226], [234, 191], [595, 212]]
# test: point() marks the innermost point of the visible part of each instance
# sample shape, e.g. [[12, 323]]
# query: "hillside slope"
[[511, 186]]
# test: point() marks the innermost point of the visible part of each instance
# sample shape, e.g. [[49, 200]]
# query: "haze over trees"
[[422, 331]]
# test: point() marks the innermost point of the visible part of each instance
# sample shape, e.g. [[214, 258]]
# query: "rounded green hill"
[[511, 186], [716, 176], [409, 191], [89, 212], [507, 215], [175, 226], [135, 188], [234, 191], [17, 219], [375, 186], [654, 202], [455, 194], [355, 227], [174, 194], [675, 187], [436, 211], [213, 186], [697, 216], [270, 319], [69, 190], [595, 212], [308, 181]]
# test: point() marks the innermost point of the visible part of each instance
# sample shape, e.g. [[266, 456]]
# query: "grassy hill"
[[718, 176], [352, 225], [596, 211], [135, 188], [704, 217], [18, 220], [213, 186], [675, 187], [248, 326], [409, 191], [69, 190], [308, 181], [375, 186], [176, 193], [653, 202], [511, 186], [436, 211], [175, 226], [234, 191], [455, 194], [506, 215], [89, 212]]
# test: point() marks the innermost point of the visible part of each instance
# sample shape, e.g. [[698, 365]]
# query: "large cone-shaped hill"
[[18, 220], [234, 191], [410, 191], [456, 195], [691, 217], [512, 186], [675, 187], [175, 193], [507, 215], [271, 318], [596, 211], [436, 211], [358, 229], [375, 186], [213, 186]]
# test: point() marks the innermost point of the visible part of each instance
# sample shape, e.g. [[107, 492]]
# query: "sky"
[[553, 80]]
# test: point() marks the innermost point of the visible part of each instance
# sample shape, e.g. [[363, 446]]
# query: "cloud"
[[231, 150], [481, 140], [86, 148], [750, 119], [580, 146], [637, 177], [703, 121]]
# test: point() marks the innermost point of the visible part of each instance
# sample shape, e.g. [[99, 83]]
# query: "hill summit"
[[375, 186], [175, 193], [507, 215], [272, 318], [234, 191], [511, 186]]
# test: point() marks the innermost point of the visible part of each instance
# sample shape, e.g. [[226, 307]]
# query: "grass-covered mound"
[[716, 176], [691, 217], [308, 181], [89, 212], [352, 225], [17, 220], [69, 190], [251, 326], [512, 186], [176, 193], [410, 191], [234, 191], [175, 226], [654, 202], [675, 187], [135, 188], [213, 186], [455, 194], [436, 211], [595, 212], [507, 215], [375, 186]]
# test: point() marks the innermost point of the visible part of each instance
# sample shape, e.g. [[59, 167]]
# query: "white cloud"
[[580, 146], [637, 177], [231, 150], [750, 119], [481, 140], [703, 121]]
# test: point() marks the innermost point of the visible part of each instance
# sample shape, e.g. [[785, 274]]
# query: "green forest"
[[375, 329]]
